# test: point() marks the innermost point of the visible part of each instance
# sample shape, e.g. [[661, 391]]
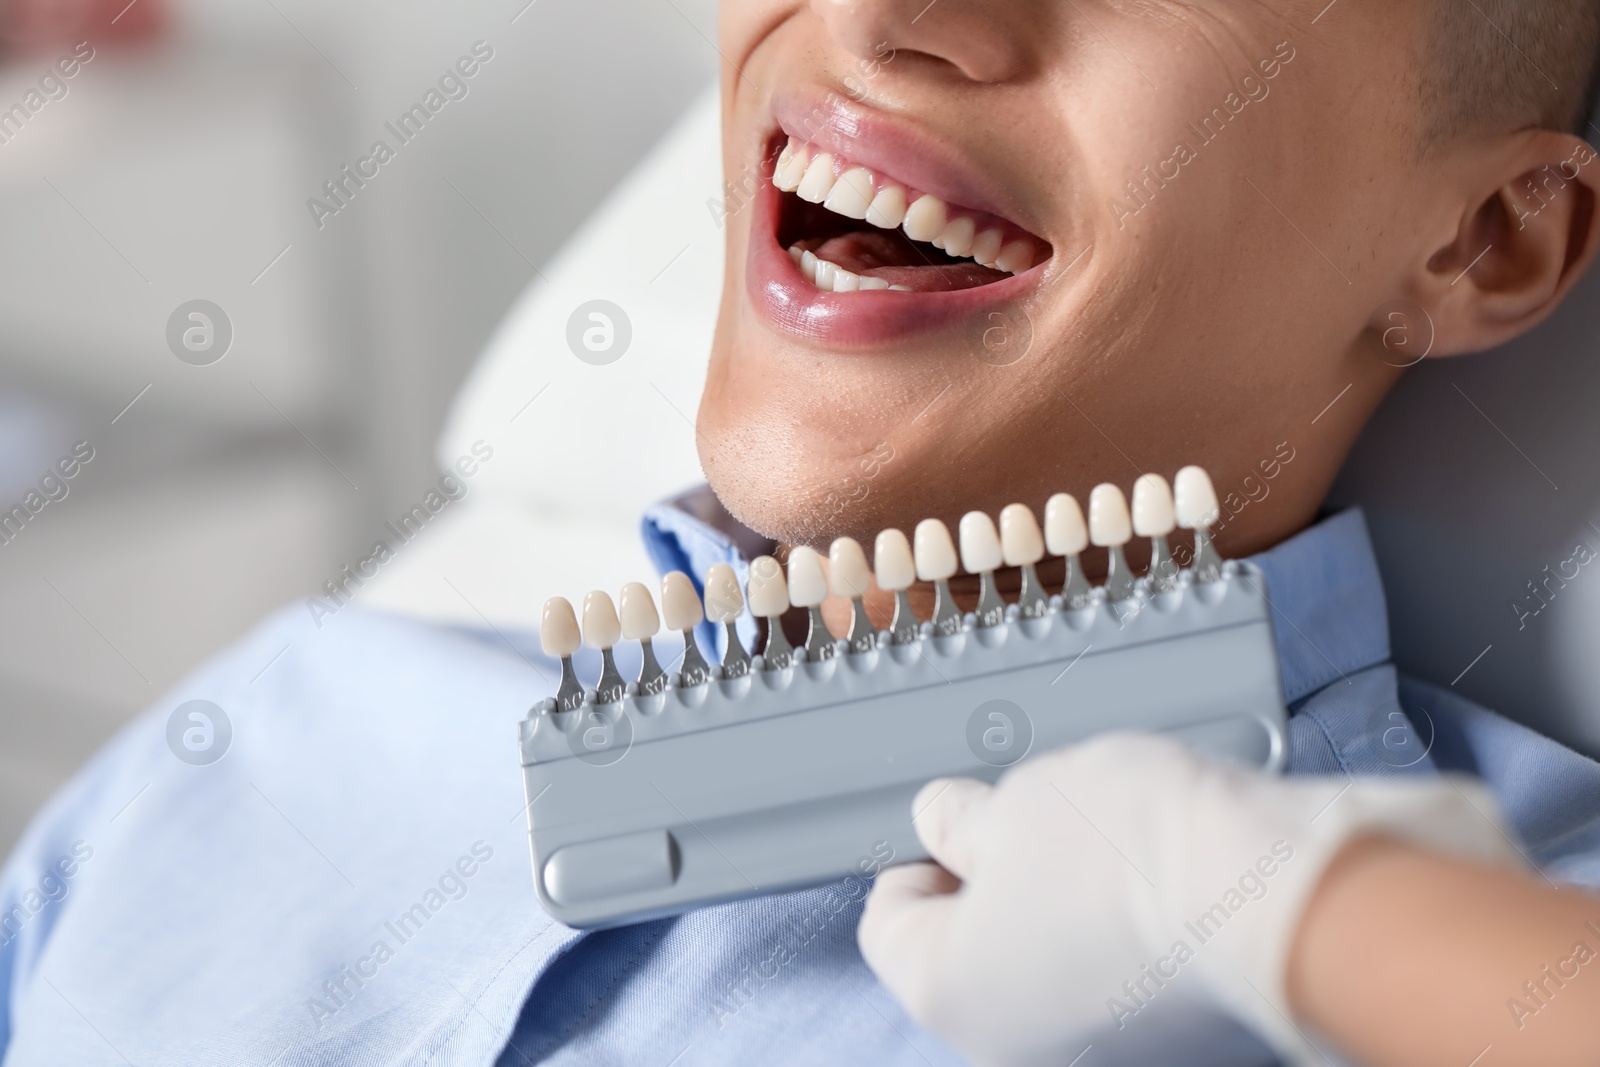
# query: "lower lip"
[[862, 320]]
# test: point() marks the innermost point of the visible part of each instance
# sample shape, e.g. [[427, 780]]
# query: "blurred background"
[[174, 165]]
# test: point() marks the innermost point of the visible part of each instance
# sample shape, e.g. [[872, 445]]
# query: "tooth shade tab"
[[680, 604], [558, 628], [848, 573], [808, 577], [637, 610], [1196, 499], [818, 180], [1152, 506], [1065, 532], [601, 627], [1021, 541], [980, 543], [935, 552], [769, 593], [1109, 523], [724, 602], [893, 566]]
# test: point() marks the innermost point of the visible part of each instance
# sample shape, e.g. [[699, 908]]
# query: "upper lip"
[[897, 148]]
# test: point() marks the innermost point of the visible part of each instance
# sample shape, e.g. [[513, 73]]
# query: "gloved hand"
[[1099, 879]]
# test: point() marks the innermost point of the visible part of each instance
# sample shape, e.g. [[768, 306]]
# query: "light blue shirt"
[[350, 882]]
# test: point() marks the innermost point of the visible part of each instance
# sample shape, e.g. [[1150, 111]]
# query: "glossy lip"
[[870, 319]]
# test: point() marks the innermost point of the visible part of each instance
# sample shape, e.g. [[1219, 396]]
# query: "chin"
[[775, 485]]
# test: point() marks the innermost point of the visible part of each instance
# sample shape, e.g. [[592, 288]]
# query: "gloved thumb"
[[949, 814]]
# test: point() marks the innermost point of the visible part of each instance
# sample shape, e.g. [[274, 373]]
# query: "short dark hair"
[[1510, 63]]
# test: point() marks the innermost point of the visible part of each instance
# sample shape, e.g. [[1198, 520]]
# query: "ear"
[[1519, 247]]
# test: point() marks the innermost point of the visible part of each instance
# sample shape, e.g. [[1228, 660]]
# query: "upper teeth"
[[856, 193]]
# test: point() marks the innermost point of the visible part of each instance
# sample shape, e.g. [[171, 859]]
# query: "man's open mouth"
[[850, 229]]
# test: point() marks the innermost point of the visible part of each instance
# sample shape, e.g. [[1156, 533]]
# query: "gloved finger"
[[913, 881], [904, 928], [948, 816]]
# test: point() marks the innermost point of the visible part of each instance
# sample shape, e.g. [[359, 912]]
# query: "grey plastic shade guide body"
[[781, 779]]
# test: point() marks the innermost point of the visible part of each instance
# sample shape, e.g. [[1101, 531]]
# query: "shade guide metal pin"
[[640, 623], [769, 599], [1196, 507], [849, 576], [1067, 535], [936, 562], [724, 604], [680, 609], [896, 571], [808, 588], [1022, 545], [1153, 517], [980, 555], [602, 630], [560, 637], [1110, 527]]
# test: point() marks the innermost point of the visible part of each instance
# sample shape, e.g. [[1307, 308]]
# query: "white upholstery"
[[1468, 506], [556, 511], [1462, 515]]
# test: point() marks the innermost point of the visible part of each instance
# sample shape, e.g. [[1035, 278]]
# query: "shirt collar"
[[692, 531], [1329, 614]]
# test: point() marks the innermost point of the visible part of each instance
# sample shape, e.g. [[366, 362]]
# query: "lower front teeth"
[[832, 278]]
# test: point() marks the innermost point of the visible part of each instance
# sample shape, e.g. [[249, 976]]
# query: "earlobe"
[[1521, 244]]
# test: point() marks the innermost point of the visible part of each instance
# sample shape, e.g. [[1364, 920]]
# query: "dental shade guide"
[[1022, 544], [680, 608], [1066, 535], [936, 562], [641, 623], [850, 576], [602, 630], [1153, 518], [769, 599], [1110, 529], [782, 770], [559, 634], [724, 604], [1197, 510], [808, 588], [980, 555], [896, 571]]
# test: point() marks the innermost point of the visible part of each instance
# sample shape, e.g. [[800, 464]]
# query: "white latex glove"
[[1084, 870]]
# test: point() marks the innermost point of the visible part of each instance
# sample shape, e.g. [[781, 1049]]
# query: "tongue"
[[899, 262]]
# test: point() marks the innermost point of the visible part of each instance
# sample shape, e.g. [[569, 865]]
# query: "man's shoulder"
[[294, 840], [300, 694], [1550, 792]]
